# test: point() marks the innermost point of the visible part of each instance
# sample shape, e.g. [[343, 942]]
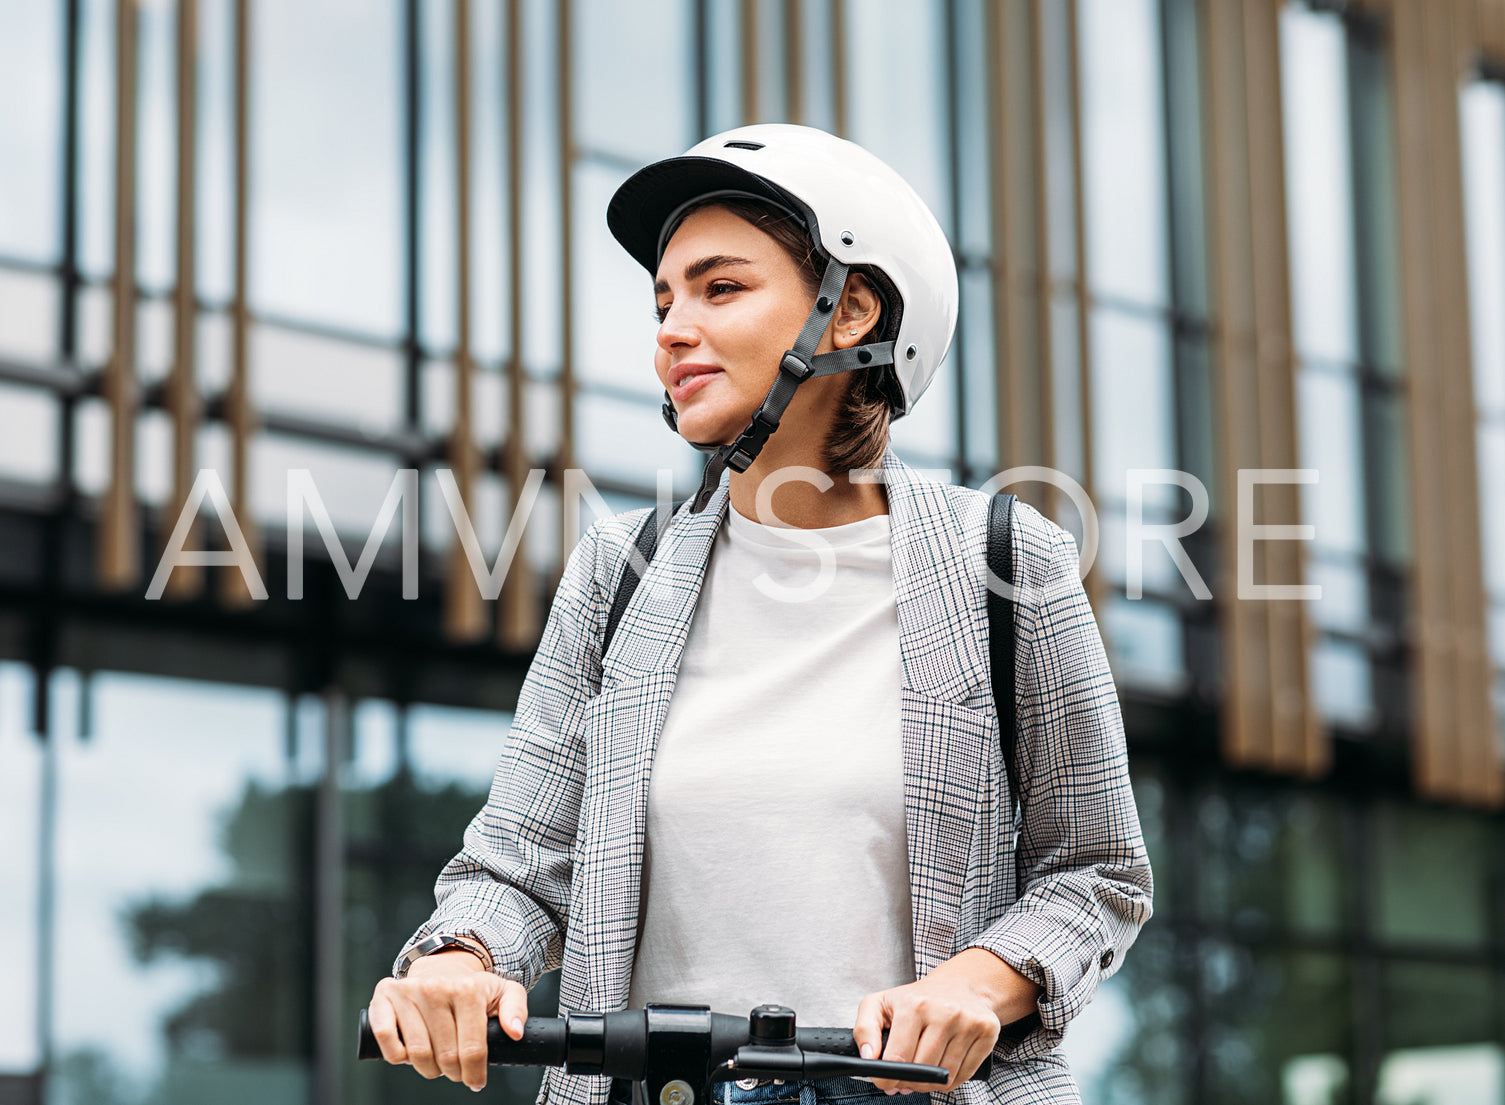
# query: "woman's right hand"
[[435, 1018]]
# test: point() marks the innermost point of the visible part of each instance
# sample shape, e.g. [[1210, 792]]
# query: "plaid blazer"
[[550, 871]]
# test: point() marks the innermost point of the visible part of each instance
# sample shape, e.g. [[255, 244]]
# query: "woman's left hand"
[[950, 1018]]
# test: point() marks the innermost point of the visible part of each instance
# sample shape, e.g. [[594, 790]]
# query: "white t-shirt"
[[776, 867]]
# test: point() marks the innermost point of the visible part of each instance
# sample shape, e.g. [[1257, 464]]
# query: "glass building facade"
[[1197, 239]]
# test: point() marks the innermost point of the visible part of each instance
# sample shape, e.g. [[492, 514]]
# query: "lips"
[[688, 379]]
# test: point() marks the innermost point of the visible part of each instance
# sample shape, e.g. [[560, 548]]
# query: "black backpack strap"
[[647, 545], [1001, 629]]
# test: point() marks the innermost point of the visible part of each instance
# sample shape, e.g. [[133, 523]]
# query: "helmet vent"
[[744, 146]]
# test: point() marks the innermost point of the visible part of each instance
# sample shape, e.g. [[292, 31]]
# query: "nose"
[[677, 329]]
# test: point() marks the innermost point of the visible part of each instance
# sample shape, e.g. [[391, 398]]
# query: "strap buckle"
[[797, 367]]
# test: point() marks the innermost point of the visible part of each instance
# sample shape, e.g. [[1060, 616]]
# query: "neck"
[[784, 488]]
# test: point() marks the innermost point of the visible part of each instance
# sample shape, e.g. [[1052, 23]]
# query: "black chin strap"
[[797, 366]]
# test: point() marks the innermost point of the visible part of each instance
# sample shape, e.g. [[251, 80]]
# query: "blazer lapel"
[[637, 682], [949, 730]]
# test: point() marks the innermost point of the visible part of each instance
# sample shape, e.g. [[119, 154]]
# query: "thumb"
[[867, 1029], [509, 1001]]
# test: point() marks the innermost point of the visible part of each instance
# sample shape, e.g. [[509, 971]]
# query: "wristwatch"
[[430, 944]]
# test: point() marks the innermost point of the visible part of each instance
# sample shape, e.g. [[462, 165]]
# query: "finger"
[[436, 999], [415, 1035], [979, 1051], [512, 1008], [470, 1035], [929, 1049], [867, 1029], [903, 1036], [382, 1019]]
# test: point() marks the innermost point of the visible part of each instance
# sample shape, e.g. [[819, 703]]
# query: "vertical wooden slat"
[[239, 414], [794, 61], [464, 613], [1432, 722], [1454, 754], [1269, 720], [119, 535], [517, 627], [564, 94], [1297, 743], [839, 65], [1003, 172], [1093, 584], [750, 106], [1244, 713], [1480, 779], [182, 392], [1043, 413]]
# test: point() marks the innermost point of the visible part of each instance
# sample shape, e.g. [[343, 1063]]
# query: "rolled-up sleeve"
[[509, 886], [1082, 872]]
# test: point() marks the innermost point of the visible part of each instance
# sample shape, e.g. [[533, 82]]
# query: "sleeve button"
[[1106, 960]]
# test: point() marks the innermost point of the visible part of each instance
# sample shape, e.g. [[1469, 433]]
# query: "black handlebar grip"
[[542, 1045]]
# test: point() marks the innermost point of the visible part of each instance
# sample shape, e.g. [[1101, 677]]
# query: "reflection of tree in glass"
[[257, 928]]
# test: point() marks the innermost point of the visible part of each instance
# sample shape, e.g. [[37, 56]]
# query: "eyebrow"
[[696, 269]]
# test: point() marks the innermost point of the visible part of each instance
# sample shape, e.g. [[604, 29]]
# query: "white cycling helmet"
[[857, 210]]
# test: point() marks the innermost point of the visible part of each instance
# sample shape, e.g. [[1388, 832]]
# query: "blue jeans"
[[822, 1091]]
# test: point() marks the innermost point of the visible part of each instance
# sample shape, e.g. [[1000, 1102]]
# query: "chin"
[[693, 426]]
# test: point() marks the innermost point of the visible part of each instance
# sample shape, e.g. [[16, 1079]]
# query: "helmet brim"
[[647, 200]]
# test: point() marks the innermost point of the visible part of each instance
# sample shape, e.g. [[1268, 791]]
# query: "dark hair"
[[859, 431]]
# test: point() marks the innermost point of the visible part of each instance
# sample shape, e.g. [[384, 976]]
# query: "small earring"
[[854, 333]]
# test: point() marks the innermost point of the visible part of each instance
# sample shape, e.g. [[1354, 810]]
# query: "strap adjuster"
[[796, 366], [740, 460]]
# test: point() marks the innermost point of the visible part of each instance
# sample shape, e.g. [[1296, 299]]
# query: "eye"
[[660, 313], [721, 287]]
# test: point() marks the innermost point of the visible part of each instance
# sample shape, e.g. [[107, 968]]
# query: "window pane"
[[1331, 442], [620, 440], [28, 316], [625, 104], [1343, 683], [31, 56], [1145, 643], [975, 335], [352, 485], [1422, 900], [1133, 405], [489, 248], [1272, 861], [1319, 185], [1123, 120], [613, 318], [156, 145], [1279, 1020], [96, 166], [1482, 120], [326, 214], [1470, 1074], [1492, 506], [20, 810], [902, 120], [325, 378], [543, 195], [182, 868]]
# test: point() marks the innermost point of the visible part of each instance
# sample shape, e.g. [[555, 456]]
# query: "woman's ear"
[[857, 312]]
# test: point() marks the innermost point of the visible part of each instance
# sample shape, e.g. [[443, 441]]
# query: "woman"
[[783, 781]]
